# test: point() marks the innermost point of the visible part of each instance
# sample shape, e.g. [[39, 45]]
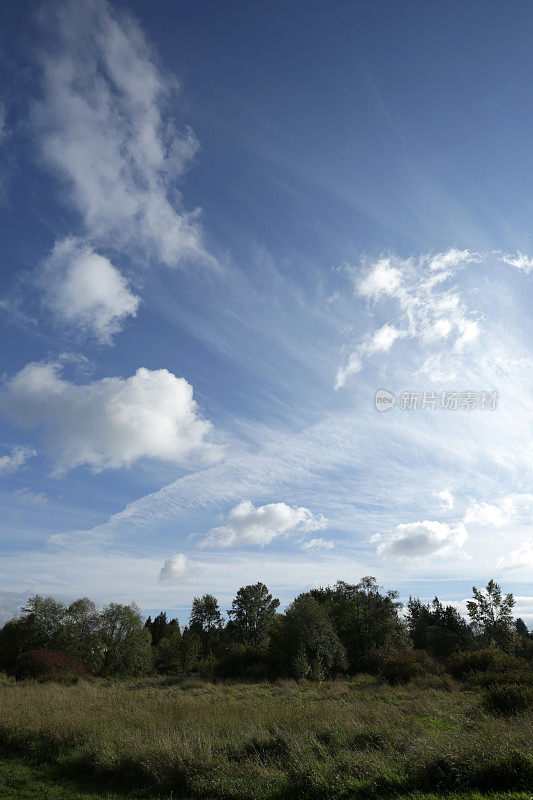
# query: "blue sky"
[[225, 227]]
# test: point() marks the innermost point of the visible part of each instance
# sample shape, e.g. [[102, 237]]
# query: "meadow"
[[166, 737]]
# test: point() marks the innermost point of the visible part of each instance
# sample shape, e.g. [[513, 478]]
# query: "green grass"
[[191, 739], [20, 781]]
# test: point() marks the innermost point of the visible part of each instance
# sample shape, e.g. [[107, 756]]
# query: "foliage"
[[364, 618], [507, 699], [521, 627], [482, 661], [436, 628], [246, 663], [205, 615], [400, 668], [345, 627], [307, 642], [491, 616], [48, 663], [127, 643], [252, 613], [160, 627]]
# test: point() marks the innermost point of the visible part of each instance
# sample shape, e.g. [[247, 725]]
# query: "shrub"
[[485, 680], [475, 661], [242, 662], [401, 668], [49, 665], [507, 699]]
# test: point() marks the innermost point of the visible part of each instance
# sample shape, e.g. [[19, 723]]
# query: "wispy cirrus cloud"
[[421, 304], [519, 260], [102, 126], [13, 461]]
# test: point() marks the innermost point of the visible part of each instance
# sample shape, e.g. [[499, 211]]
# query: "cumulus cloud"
[[84, 290], [175, 569], [259, 525], [425, 310], [101, 126], [11, 462], [520, 261], [417, 539], [112, 422], [317, 544]]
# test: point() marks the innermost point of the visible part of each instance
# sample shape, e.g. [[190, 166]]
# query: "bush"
[[507, 699], [49, 665], [485, 680], [245, 663], [401, 668], [482, 661]]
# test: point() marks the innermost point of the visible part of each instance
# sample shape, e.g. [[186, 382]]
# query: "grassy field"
[[191, 739]]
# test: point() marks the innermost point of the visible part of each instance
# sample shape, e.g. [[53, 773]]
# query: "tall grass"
[[339, 739]]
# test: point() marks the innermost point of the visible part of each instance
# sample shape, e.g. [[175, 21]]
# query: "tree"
[[169, 651], [436, 628], [364, 618], [521, 627], [126, 641], [81, 634], [45, 616], [305, 644], [205, 614], [252, 612], [491, 616], [16, 637], [160, 627], [206, 624]]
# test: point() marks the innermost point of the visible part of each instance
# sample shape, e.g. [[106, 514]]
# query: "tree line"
[[345, 628]]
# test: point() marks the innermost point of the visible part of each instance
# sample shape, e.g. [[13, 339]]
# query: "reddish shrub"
[[48, 663]]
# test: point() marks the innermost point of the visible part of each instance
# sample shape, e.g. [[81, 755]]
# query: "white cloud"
[[317, 544], [417, 539], [101, 126], [11, 462], [446, 499], [34, 498], [381, 341], [424, 310], [111, 422], [520, 557], [84, 290], [175, 569], [381, 279], [250, 525], [492, 514], [520, 261]]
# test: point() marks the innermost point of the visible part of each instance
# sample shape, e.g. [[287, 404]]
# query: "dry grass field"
[[357, 738]]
